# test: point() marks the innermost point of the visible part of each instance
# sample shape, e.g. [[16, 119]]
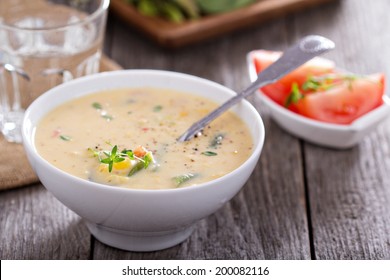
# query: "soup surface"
[[127, 137]]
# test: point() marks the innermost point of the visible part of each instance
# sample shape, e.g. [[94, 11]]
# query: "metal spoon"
[[306, 49]]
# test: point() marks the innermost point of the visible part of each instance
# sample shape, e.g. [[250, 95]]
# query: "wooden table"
[[301, 202]]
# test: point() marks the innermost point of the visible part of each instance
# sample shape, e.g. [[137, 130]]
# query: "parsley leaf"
[[209, 153], [311, 84], [294, 96], [326, 82], [65, 138], [157, 108], [129, 153], [178, 180], [97, 105], [112, 157]]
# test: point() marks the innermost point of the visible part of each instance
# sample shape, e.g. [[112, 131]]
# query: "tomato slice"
[[345, 103], [345, 100], [280, 90]]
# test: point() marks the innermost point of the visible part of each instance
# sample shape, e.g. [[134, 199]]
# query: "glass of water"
[[44, 43]]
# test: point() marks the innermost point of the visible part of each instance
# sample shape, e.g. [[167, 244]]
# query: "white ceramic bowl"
[[139, 220], [317, 132]]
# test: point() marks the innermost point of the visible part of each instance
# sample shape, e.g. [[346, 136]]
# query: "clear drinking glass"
[[42, 44]]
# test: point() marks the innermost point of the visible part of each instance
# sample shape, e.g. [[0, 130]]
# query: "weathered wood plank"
[[34, 225], [267, 219], [349, 199], [349, 190]]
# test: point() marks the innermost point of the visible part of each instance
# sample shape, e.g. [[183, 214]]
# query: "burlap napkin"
[[15, 170]]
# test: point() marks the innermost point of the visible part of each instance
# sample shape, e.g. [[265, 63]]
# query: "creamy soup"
[[127, 138]]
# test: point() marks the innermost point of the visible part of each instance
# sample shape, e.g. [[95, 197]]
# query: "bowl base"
[[139, 241]]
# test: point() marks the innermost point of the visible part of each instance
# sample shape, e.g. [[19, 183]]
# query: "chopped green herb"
[[103, 113], [65, 138], [311, 84], [350, 79], [107, 117], [157, 108], [129, 153], [143, 163], [294, 96], [112, 157], [97, 105], [178, 180], [324, 83], [209, 154], [139, 166], [217, 140], [147, 159], [94, 153]]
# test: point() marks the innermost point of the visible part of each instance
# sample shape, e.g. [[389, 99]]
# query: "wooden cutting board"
[[173, 35]]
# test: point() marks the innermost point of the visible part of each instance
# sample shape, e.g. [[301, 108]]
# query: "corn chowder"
[[127, 138]]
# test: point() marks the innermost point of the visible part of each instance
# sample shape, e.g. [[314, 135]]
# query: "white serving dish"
[[139, 220], [317, 132]]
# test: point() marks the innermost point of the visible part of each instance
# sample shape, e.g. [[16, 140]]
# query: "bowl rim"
[[28, 138], [357, 125]]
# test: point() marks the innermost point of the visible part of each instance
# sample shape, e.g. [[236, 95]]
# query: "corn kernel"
[[122, 165], [183, 114]]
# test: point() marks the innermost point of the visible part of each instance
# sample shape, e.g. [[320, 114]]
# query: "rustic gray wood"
[[302, 201], [349, 190], [35, 225]]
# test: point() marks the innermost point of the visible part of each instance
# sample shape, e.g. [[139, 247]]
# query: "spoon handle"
[[306, 49]]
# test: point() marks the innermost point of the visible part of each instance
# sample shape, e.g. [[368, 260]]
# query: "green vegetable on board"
[[178, 11], [222, 6]]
